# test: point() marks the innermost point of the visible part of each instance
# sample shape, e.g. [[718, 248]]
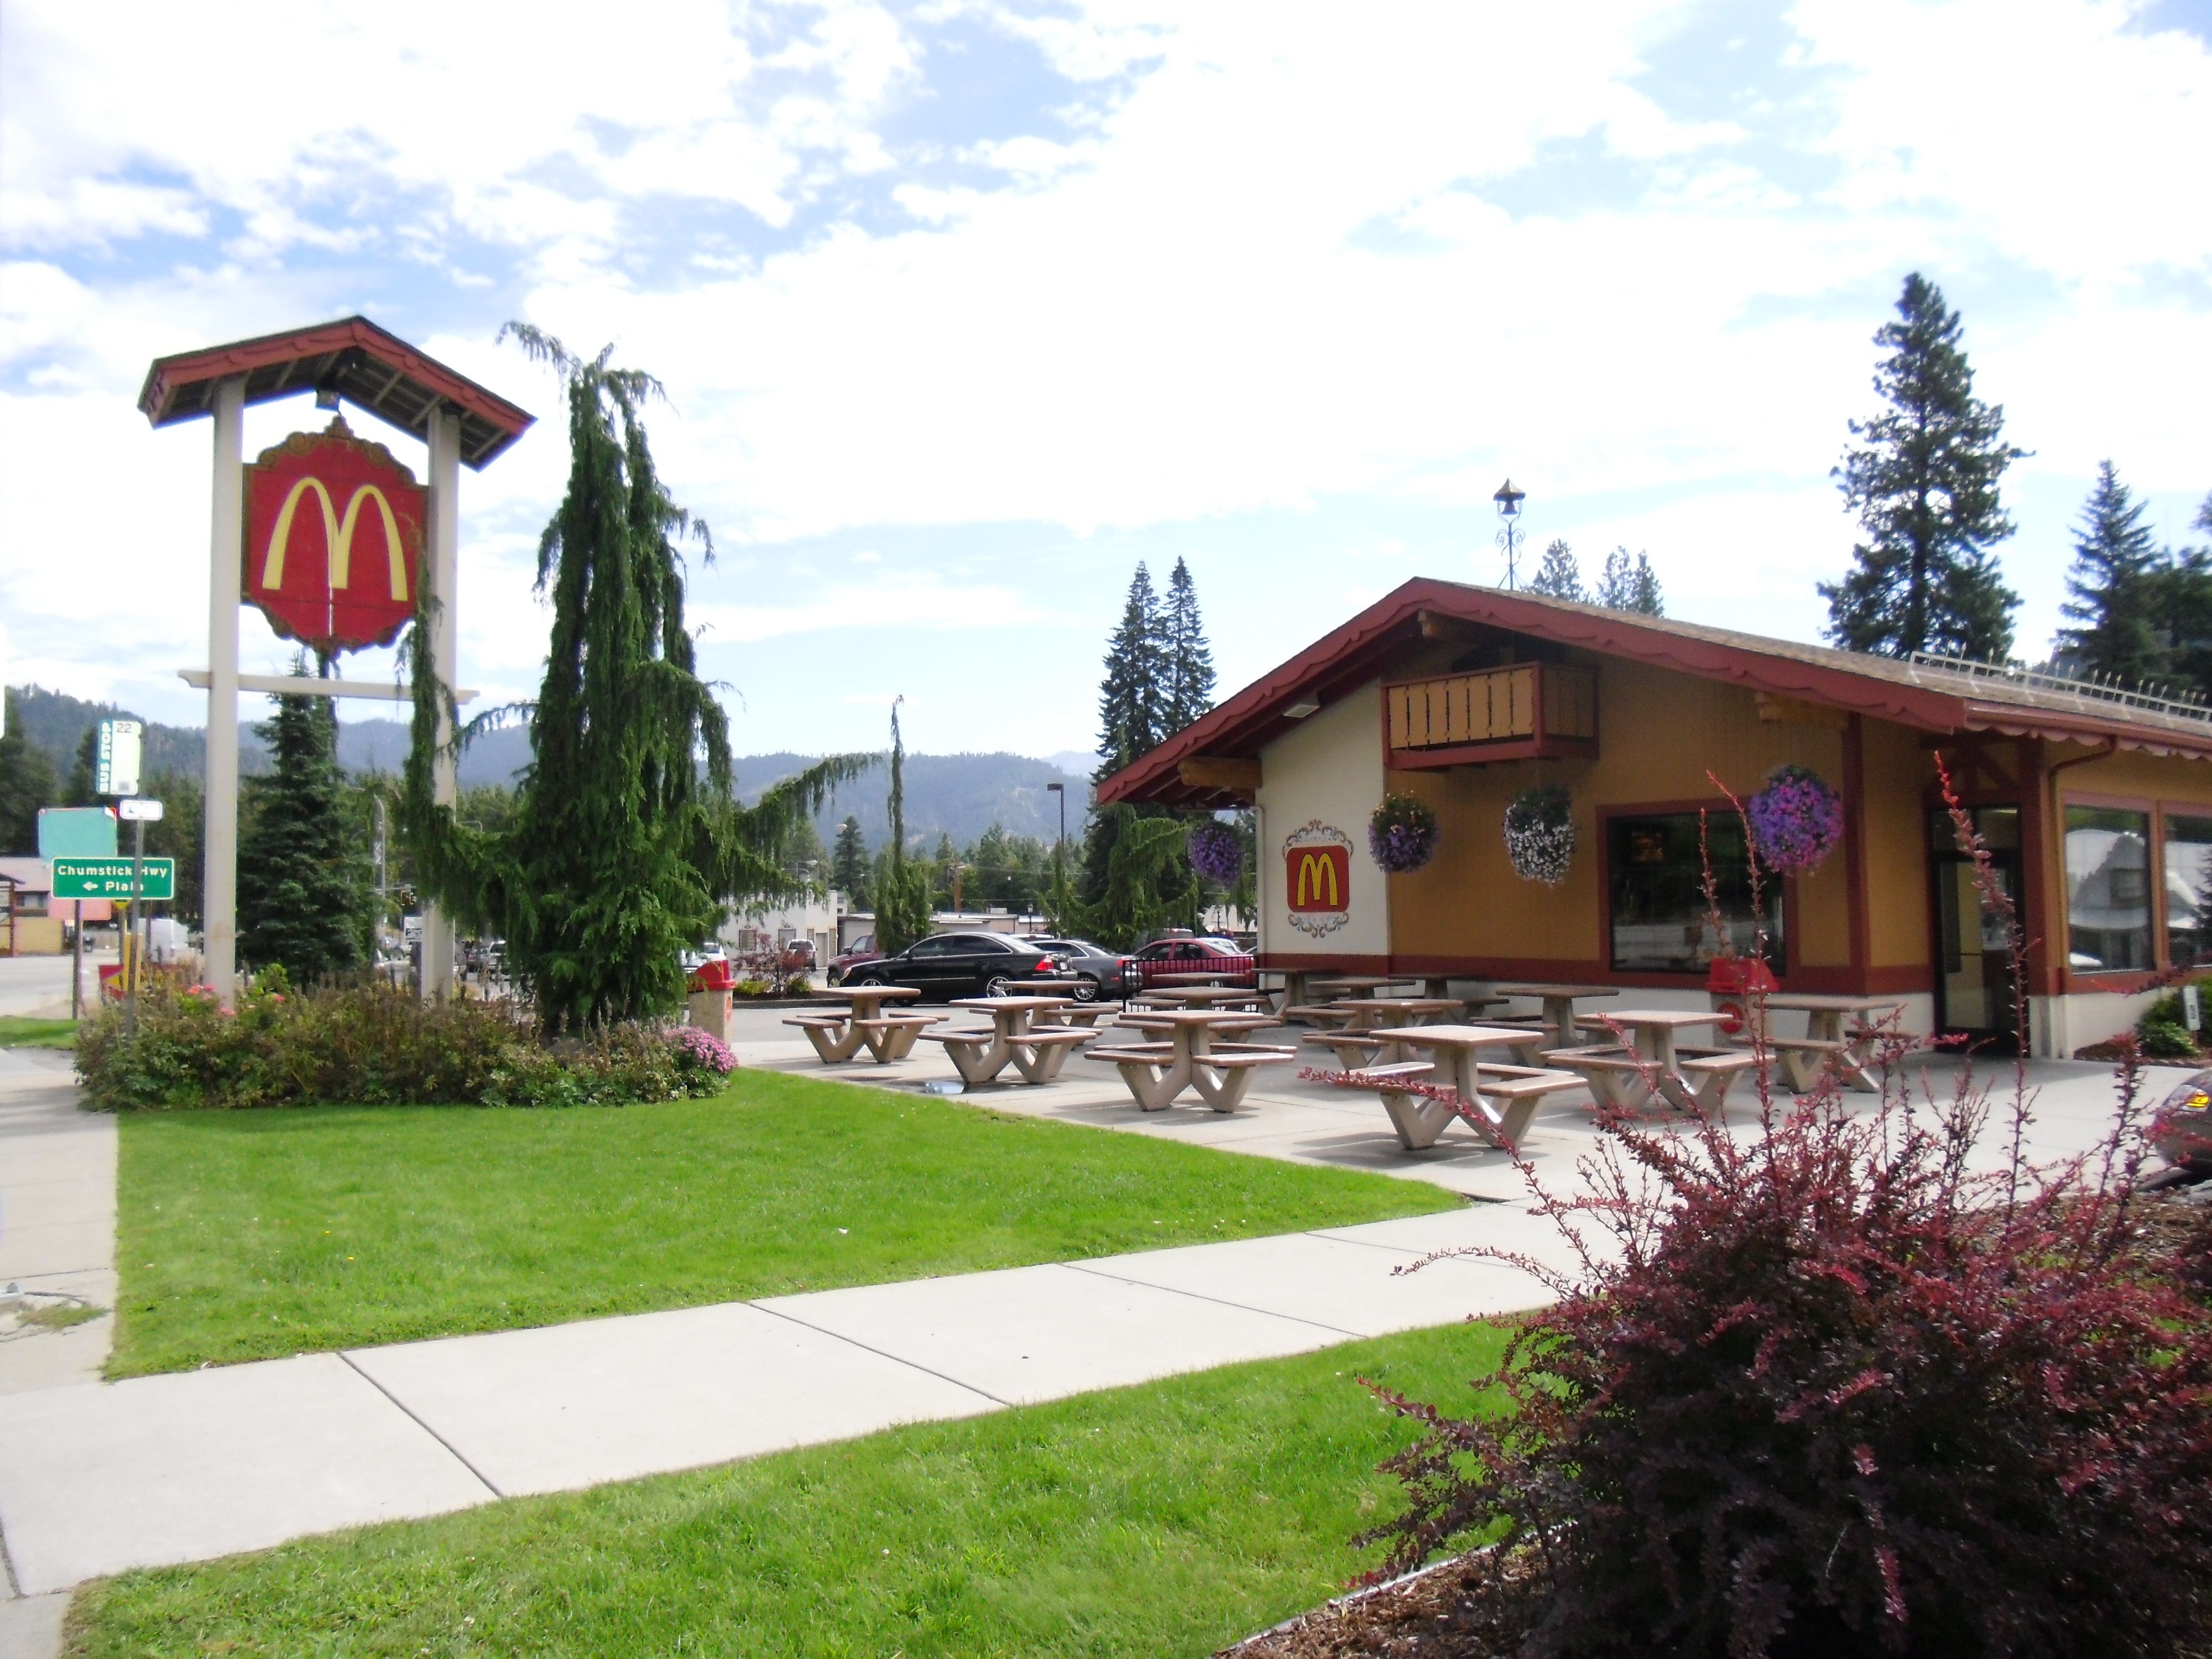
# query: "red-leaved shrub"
[[1826, 1390]]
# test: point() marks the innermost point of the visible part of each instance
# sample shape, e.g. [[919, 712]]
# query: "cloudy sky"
[[965, 307]]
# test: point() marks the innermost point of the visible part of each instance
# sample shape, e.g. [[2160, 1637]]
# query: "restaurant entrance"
[[1973, 985]]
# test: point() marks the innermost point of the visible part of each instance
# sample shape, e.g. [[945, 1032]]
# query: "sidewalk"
[[94, 1479]]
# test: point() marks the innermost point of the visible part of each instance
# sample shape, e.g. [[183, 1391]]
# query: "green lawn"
[[18, 1032], [1167, 1519], [244, 1235]]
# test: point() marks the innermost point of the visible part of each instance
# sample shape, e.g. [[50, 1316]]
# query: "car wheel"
[[1086, 988], [871, 979], [999, 986]]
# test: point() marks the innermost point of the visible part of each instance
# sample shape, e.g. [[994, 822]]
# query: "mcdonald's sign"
[[1317, 878], [333, 539]]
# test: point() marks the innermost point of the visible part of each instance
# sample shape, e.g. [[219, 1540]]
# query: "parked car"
[[861, 950], [1194, 953], [1102, 971], [948, 965]]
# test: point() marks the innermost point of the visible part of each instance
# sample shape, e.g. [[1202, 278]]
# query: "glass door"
[[1973, 977]]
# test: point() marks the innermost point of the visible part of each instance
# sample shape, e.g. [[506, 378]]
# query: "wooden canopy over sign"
[[373, 370]]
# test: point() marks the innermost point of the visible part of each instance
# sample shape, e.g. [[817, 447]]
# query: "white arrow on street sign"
[[139, 809]]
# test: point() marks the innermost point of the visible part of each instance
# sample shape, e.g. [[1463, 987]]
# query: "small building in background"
[[33, 922]]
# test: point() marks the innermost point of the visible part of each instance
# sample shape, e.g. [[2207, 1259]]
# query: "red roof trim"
[[1352, 654], [158, 398]]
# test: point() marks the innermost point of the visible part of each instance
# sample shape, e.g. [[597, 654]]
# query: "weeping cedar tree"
[[303, 898], [1924, 485], [2116, 590], [624, 849], [902, 889]]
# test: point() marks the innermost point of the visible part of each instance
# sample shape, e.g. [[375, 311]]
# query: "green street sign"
[[110, 878]]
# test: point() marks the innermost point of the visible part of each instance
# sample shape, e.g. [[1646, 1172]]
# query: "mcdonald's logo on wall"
[[1317, 878], [333, 539]]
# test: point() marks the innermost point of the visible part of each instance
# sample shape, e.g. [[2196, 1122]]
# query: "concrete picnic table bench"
[[1037, 1052], [839, 1036], [1496, 1101], [1652, 1066], [1221, 1072]]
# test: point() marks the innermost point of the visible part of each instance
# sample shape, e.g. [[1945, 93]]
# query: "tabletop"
[[1011, 1005], [1187, 1017], [1832, 1005], [1455, 1036], [1195, 978], [1556, 990], [1659, 1018], [862, 992], [1356, 982], [1400, 1004], [1198, 994]]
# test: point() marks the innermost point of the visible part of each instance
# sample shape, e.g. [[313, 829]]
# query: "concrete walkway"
[[94, 1479]]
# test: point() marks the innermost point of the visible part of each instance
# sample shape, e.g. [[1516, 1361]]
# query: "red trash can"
[[1731, 983]]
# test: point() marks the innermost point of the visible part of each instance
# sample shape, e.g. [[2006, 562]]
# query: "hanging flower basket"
[[1401, 835], [1796, 820], [1539, 833], [1215, 851]]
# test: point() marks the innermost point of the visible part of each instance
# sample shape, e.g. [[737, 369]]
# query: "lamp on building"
[[1508, 501]]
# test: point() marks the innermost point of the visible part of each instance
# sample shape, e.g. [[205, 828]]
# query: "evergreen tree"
[[1188, 658], [1629, 584], [1924, 485], [83, 772], [1558, 575], [28, 782], [2115, 589], [849, 864], [177, 834], [2183, 606], [902, 886], [626, 849], [1131, 705], [302, 891]]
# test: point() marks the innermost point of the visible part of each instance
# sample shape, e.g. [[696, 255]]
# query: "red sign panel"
[[1317, 876], [333, 539]]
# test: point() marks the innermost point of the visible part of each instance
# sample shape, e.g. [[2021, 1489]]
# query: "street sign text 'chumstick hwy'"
[[110, 878]]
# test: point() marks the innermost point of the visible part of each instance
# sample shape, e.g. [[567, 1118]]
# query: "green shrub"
[[2164, 1035], [372, 1047]]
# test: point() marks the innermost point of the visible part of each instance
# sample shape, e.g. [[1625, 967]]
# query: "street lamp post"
[[1508, 501]]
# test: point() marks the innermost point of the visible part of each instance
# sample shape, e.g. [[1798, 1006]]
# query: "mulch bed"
[[1456, 1609], [2110, 1053]]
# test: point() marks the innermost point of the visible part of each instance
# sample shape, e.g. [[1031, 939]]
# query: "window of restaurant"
[[2188, 860], [1656, 880], [2108, 890]]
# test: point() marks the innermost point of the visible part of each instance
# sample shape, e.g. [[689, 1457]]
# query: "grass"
[[18, 1032], [58, 1316], [1167, 1519], [247, 1234]]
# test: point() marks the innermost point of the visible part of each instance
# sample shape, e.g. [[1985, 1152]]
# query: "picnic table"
[[1496, 1101], [1193, 977], [1347, 1018], [1157, 1072], [1826, 1041], [1559, 1001], [1037, 1052], [1198, 996], [838, 1037], [1653, 1065], [1080, 1011], [1356, 985]]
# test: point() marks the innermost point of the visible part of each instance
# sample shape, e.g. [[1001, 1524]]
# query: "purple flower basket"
[[1215, 851], [1796, 820], [1401, 835]]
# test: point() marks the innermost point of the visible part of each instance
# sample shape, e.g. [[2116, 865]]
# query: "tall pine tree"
[[303, 897], [28, 782], [1558, 575], [848, 863], [1924, 485], [1131, 700], [628, 842], [1629, 584], [2115, 589], [1188, 658]]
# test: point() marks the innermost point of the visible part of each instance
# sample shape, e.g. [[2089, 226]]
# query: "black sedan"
[[1103, 972], [948, 965]]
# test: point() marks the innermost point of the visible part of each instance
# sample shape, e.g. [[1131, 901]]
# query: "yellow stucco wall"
[[1897, 770], [2163, 777], [1659, 734]]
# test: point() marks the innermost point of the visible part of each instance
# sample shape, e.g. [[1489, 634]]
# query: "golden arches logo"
[[338, 533], [1314, 869]]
